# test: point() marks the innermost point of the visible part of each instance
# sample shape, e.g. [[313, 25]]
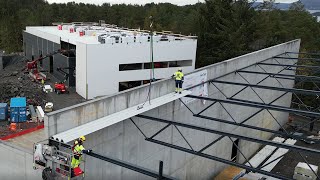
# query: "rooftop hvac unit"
[[164, 38], [117, 39], [102, 39]]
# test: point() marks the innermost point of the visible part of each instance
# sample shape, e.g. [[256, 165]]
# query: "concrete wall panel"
[[122, 140], [16, 163]]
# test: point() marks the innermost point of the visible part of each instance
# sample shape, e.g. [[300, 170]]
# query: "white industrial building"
[[110, 59]]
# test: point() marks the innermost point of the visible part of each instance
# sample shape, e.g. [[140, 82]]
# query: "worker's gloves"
[[87, 151], [172, 76]]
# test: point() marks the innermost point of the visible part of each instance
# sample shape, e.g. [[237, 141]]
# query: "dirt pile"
[[14, 82]]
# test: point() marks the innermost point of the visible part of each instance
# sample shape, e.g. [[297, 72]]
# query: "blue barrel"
[[3, 111], [18, 109]]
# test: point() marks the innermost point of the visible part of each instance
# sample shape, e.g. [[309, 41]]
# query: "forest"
[[225, 28]]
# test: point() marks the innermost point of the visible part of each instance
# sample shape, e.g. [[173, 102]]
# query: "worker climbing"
[[77, 150], [179, 78]]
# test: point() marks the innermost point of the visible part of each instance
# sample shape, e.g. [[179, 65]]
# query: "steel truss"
[[225, 134], [261, 106]]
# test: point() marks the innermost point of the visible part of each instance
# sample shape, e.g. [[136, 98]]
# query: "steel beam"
[[316, 78], [315, 54], [251, 139], [287, 65], [304, 59], [130, 166], [258, 105], [300, 91], [254, 127], [115, 161]]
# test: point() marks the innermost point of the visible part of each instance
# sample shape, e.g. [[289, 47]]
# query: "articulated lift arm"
[[33, 64]]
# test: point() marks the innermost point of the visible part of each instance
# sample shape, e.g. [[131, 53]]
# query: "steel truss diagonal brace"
[[261, 141]]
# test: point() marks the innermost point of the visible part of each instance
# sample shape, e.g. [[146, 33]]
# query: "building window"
[[182, 63], [157, 65], [128, 67], [128, 85], [131, 84]]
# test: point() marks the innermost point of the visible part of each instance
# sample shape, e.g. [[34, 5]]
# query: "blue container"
[[3, 111], [18, 110]]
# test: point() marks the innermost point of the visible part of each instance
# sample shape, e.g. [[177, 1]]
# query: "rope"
[[152, 77]]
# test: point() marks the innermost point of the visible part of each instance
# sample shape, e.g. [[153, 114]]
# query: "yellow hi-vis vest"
[[178, 75], [77, 150]]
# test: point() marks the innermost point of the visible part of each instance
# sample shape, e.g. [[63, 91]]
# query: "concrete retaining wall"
[[125, 142], [16, 163]]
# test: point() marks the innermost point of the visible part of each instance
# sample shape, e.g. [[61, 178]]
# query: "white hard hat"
[[179, 69]]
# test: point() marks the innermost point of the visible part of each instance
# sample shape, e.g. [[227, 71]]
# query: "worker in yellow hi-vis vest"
[[179, 77], [77, 150]]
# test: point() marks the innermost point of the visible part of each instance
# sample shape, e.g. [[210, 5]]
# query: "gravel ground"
[[5, 131], [14, 82]]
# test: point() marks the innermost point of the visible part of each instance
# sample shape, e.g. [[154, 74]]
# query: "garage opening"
[[51, 64]]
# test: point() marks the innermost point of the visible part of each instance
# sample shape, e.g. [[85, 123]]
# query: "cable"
[[152, 77]]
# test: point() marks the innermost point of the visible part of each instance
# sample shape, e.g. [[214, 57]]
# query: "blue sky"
[[178, 2]]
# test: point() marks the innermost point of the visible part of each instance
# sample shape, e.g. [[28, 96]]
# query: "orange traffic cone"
[[13, 126]]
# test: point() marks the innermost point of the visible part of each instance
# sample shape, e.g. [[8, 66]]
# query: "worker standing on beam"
[[179, 77], [77, 150]]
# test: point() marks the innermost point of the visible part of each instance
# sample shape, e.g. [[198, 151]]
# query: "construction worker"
[[179, 77], [77, 150]]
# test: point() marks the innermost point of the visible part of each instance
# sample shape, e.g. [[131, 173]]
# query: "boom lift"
[[60, 87], [54, 159], [32, 66]]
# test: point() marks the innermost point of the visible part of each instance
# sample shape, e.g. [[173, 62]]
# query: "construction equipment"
[[32, 66], [54, 159], [48, 107], [60, 88], [47, 88]]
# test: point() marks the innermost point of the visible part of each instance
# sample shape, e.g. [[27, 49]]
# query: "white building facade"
[[109, 60]]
